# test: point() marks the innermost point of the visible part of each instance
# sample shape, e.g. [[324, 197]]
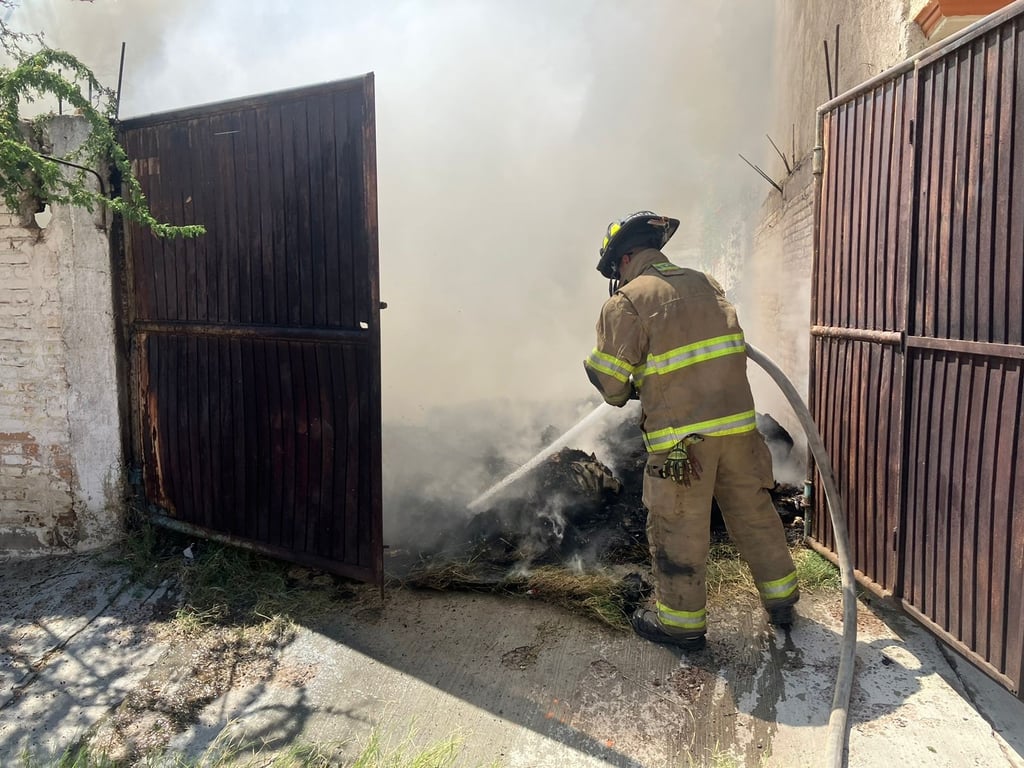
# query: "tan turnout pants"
[[737, 470]]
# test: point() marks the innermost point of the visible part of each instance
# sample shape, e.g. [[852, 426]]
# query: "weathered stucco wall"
[[60, 446], [874, 36]]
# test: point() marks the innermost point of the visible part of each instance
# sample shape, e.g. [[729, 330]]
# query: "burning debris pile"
[[573, 515], [570, 507]]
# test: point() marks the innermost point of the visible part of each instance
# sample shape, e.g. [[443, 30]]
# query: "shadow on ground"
[[517, 681], [525, 683]]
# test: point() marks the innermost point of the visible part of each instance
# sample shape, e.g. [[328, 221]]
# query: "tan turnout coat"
[[671, 332]]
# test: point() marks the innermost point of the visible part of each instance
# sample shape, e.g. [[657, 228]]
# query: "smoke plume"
[[508, 135]]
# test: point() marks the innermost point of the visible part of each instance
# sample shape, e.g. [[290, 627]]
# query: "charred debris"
[[574, 524]]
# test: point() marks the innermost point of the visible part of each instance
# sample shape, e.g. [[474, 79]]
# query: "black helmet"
[[640, 225]]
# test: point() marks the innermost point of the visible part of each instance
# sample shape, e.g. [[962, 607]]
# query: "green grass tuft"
[[72, 757], [815, 573], [375, 754]]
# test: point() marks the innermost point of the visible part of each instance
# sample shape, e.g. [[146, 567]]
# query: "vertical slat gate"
[[964, 353], [256, 347], [858, 306], [918, 336]]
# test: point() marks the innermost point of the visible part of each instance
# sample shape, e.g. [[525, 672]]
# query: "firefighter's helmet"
[[659, 230]]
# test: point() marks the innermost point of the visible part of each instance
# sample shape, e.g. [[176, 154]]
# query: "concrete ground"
[[519, 683]]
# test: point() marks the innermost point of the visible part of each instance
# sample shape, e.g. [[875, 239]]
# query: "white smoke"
[[508, 135]]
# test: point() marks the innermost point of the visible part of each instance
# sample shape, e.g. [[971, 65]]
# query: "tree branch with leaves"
[[25, 171]]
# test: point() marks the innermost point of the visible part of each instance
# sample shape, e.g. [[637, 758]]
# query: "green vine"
[[24, 171]]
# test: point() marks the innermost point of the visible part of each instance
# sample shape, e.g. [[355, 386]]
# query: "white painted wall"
[[61, 477]]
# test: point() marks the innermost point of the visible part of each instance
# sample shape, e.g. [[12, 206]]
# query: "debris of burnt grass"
[[573, 534], [606, 594]]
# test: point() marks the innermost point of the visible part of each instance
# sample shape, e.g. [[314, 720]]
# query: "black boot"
[[646, 624], [781, 616]]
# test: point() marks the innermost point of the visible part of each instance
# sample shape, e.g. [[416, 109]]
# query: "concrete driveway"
[[520, 683]]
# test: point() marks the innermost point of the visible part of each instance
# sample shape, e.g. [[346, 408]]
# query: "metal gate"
[[255, 349], [917, 333]]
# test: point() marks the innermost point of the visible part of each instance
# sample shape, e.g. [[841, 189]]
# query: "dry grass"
[[227, 613], [204, 668], [727, 571], [598, 594], [228, 586], [443, 575]]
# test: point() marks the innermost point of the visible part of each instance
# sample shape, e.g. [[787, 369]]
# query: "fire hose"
[[835, 745]]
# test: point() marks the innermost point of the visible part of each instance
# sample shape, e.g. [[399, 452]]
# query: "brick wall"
[[776, 283], [873, 36], [775, 293], [35, 472], [60, 454]]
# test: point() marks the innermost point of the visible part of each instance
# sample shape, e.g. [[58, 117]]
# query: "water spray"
[[561, 442]]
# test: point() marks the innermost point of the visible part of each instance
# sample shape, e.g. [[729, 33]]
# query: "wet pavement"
[[518, 682]]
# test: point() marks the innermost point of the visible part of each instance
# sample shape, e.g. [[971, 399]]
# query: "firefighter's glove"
[[634, 392], [680, 465]]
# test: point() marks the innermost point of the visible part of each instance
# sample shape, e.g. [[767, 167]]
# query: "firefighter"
[[668, 336]]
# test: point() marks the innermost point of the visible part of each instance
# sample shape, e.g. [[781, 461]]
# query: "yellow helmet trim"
[[613, 229]]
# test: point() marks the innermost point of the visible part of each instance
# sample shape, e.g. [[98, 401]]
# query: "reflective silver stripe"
[[668, 268], [691, 620], [779, 588], [612, 366]]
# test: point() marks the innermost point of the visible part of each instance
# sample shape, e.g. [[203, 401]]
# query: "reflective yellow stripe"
[[663, 439], [668, 268], [690, 620], [780, 588], [698, 352], [618, 369]]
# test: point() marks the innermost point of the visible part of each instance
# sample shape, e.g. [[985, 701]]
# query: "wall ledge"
[[941, 18]]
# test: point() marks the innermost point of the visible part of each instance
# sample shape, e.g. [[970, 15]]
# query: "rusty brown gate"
[[917, 334], [255, 349]]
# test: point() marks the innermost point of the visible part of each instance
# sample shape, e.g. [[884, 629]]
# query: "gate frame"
[[894, 593], [129, 329]]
